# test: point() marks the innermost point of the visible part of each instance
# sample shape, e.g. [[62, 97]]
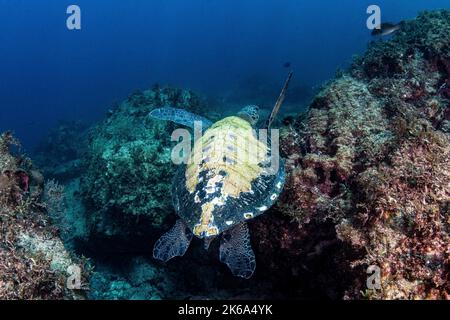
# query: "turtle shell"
[[227, 179]]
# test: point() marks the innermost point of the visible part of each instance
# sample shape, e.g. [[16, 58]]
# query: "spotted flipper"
[[173, 243], [180, 116], [236, 251]]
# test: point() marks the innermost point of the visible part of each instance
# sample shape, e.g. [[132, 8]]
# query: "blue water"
[[48, 73]]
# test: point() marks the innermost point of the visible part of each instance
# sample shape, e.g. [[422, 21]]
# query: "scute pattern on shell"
[[229, 146], [224, 182]]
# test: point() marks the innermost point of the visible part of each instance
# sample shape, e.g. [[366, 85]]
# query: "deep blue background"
[[48, 73]]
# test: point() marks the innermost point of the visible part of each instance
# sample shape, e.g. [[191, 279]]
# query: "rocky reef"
[[368, 184], [34, 264], [120, 203], [128, 167], [371, 157]]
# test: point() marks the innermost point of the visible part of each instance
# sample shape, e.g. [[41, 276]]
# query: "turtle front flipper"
[[173, 243], [236, 251], [180, 116]]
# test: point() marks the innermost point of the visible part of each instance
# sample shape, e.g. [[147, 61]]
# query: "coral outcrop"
[[128, 163], [33, 260], [372, 158]]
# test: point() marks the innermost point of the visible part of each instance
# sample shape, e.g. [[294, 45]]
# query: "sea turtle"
[[218, 194]]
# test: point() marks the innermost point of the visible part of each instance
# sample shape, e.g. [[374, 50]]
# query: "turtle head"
[[250, 114]]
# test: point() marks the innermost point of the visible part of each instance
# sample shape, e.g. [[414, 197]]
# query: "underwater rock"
[[126, 185], [33, 261], [371, 157], [406, 204], [428, 34], [137, 279], [347, 128]]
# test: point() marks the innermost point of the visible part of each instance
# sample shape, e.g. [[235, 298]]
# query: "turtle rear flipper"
[[236, 251], [180, 116], [173, 243]]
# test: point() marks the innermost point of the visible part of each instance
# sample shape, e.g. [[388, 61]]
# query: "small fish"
[[386, 29], [287, 65]]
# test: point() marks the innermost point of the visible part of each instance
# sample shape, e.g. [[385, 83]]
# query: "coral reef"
[[372, 158], [59, 157], [33, 259], [128, 166], [407, 203], [368, 185], [136, 280]]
